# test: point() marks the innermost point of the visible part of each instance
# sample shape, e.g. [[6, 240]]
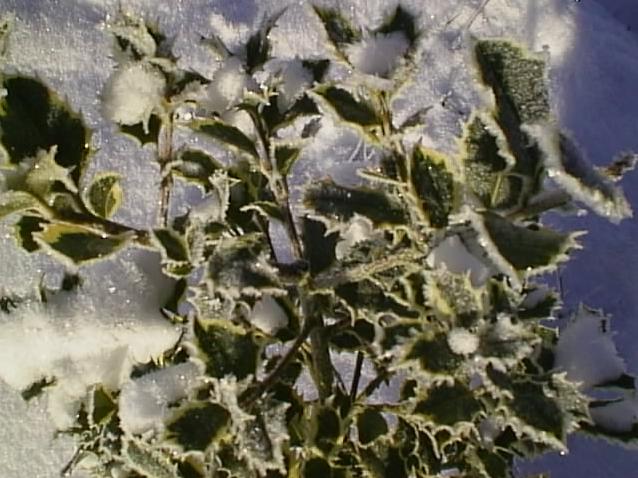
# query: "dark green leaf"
[[32, 118], [449, 404], [258, 46], [533, 406], [37, 388], [370, 426], [317, 468], [173, 245], [365, 295], [318, 68], [525, 247], [401, 21], [434, 186], [328, 429], [104, 196], [80, 244], [197, 425], [342, 203], [319, 248], [138, 132], [348, 108], [226, 134], [434, 355], [286, 156], [198, 166], [226, 349], [102, 406], [340, 31], [517, 79], [25, 228]]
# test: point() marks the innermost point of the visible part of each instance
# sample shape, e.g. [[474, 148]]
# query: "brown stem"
[[164, 157], [354, 388]]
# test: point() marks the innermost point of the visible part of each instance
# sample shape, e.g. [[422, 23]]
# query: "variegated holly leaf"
[[449, 405], [339, 29], [258, 46], [225, 348], [342, 203], [104, 196], [434, 354], [197, 425], [33, 118], [228, 135], [434, 186], [79, 244], [348, 108], [371, 425]]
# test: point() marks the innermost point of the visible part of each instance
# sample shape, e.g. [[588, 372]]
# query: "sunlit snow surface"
[[594, 71]]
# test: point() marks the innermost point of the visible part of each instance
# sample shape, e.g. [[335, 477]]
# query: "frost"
[[268, 315], [360, 229], [586, 350], [227, 87], [452, 254], [144, 401], [462, 341], [294, 79], [379, 54], [133, 93]]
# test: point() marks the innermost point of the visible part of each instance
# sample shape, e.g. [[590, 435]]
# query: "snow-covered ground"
[[593, 52]]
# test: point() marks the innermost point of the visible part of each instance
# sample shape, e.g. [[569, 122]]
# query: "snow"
[[462, 341], [378, 54], [144, 402], [593, 72], [619, 416], [452, 255], [586, 350], [268, 315]]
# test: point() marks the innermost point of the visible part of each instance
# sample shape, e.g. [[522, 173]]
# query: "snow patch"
[[462, 341], [379, 54], [452, 255], [268, 315]]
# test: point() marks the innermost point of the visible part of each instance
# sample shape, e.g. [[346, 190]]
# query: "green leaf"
[[79, 244], [37, 388], [225, 348], [449, 404], [434, 354], [172, 244], [317, 467], [104, 195], [533, 406], [286, 156], [342, 203], [366, 295], [518, 80], [102, 406], [370, 426], [147, 461], [19, 201], [197, 425], [319, 248], [198, 167], [348, 108], [25, 228], [33, 118], [340, 31], [47, 179], [226, 134], [486, 168], [318, 68], [433, 185], [401, 21], [526, 247], [144, 136], [258, 46], [327, 428]]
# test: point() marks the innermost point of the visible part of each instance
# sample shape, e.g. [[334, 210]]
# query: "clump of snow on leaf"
[[462, 341], [379, 54], [452, 254], [227, 87], [132, 93], [268, 315], [144, 402], [619, 416], [586, 350], [360, 229]]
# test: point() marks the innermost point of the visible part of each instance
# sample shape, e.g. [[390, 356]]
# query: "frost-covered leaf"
[[366, 296], [486, 167], [339, 29], [197, 425], [172, 244], [197, 166], [102, 406], [19, 201], [348, 108], [46, 178], [401, 21], [371, 425], [453, 297], [433, 185], [225, 348], [342, 203], [148, 462], [104, 195], [79, 244], [449, 405], [133, 36], [326, 425], [33, 118], [518, 80], [144, 135], [226, 134], [570, 170], [534, 248], [434, 354]]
